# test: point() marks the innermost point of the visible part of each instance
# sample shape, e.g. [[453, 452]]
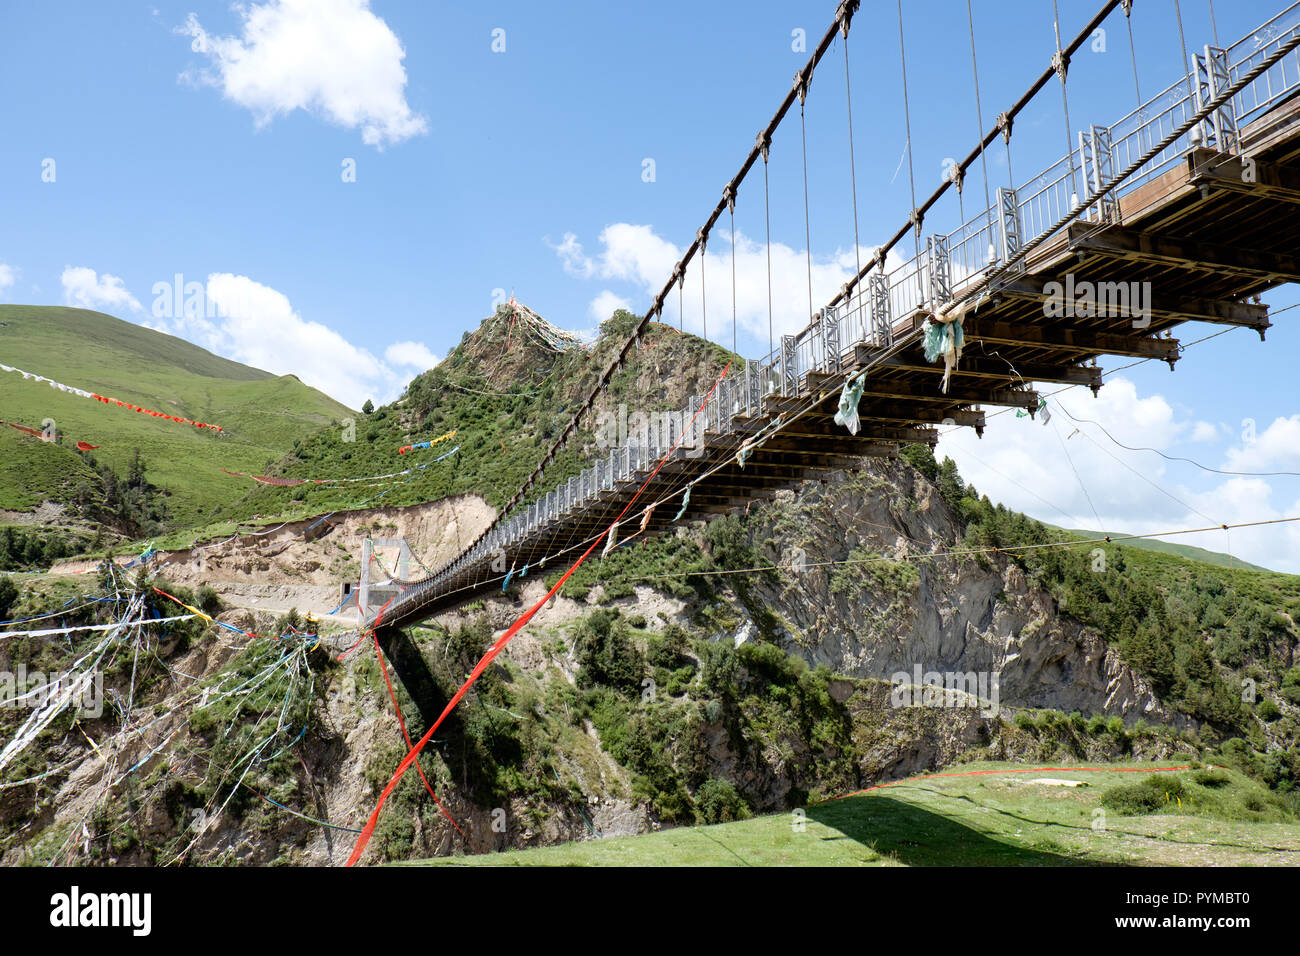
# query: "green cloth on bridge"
[[686, 499]]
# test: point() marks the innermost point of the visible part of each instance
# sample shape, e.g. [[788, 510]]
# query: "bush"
[[1211, 777], [8, 594], [606, 653], [921, 457], [716, 801], [668, 650], [1291, 685], [1148, 795], [210, 600], [1268, 710]]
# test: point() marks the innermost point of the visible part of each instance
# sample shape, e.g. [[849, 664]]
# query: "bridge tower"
[[375, 591]]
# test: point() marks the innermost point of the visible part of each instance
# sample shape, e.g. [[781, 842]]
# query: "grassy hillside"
[[262, 414], [508, 396], [1190, 552], [1212, 817]]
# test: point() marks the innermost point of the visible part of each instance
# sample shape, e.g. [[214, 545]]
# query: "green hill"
[[1190, 552], [261, 414]]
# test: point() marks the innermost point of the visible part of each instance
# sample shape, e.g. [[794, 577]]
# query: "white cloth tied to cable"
[[944, 336]]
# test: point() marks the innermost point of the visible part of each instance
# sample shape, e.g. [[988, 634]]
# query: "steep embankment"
[[287, 568]]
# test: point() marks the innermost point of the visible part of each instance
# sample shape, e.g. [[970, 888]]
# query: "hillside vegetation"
[[508, 395], [261, 414]]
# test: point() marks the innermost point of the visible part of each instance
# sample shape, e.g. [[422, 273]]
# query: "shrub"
[[668, 650], [210, 600], [921, 457], [8, 594], [1148, 795], [1268, 710], [1211, 777], [716, 801], [606, 653]]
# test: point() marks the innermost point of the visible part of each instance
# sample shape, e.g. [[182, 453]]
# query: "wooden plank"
[[1062, 337], [1119, 242]]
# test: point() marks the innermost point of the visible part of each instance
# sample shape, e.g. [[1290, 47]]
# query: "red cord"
[[402, 723]]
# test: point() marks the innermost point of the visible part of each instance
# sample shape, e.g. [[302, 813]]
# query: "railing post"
[[1009, 215], [789, 380], [1213, 76], [938, 277], [882, 322], [1098, 170], [834, 341], [816, 343]]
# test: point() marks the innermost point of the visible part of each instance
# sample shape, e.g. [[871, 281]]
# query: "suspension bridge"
[[1181, 209]]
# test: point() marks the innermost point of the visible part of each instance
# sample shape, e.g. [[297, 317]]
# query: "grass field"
[[262, 414], [993, 819]]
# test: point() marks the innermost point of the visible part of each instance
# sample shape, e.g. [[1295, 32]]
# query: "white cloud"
[[82, 287], [605, 304], [410, 355], [8, 275], [333, 58], [637, 255], [1204, 431], [1024, 464], [256, 324], [1276, 448]]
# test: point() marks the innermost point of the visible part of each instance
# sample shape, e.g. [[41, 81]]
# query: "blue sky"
[[212, 142]]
